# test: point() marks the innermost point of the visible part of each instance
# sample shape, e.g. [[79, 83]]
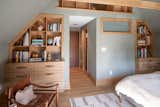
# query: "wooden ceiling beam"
[[129, 3]]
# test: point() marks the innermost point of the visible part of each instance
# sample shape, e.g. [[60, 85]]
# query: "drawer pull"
[[49, 66], [20, 76], [49, 73], [21, 67]]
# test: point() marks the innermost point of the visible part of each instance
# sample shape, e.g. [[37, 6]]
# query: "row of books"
[[142, 52], [20, 56], [55, 27]]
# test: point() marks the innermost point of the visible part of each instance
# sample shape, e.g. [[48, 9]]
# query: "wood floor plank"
[[81, 85]]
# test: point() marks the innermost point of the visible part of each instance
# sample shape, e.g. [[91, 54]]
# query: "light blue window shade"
[[115, 26]]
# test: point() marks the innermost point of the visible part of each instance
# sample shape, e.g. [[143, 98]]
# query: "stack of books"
[[20, 56], [141, 42], [55, 27], [35, 60], [37, 42]]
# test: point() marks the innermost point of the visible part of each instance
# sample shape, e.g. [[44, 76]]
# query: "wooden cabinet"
[[44, 73], [148, 65], [145, 60], [38, 51]]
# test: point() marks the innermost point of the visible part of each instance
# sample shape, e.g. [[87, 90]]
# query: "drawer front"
[[48, 76], [148, 65], [15, 76], [47, 73], [61, 84]]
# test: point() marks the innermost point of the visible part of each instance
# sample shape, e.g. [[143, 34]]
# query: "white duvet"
[[143, 89]]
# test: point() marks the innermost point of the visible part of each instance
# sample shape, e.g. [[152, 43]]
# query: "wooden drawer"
[[49, 76], [61, 84], [41, 73], [148, 65]]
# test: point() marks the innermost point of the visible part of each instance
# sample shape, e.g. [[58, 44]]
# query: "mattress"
[[144, 89]]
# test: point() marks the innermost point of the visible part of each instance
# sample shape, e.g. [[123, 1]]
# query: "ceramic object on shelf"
[[40, 28], [26, 40], [50, 41]]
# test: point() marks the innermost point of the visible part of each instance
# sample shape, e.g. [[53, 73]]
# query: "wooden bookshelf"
[[39, 40], [144, 41], [146, 62], [93, 6], [36, 52]]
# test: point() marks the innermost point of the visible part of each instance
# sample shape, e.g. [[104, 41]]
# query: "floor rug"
[[100, 100]]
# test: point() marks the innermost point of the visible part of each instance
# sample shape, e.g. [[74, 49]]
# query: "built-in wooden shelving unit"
[[41, 41], [37, 51], [146, 62], [93, 6], [144, 40]]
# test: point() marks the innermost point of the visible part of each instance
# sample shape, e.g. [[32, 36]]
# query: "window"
[[115, 26]]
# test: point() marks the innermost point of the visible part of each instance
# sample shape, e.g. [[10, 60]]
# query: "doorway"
[[78, 50], [74, 49]]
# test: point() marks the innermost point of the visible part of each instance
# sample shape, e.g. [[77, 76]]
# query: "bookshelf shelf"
[[37, 32], [53, 33]]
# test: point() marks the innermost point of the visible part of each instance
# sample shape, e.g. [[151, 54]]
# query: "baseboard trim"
[[109, 81], [91, 77]]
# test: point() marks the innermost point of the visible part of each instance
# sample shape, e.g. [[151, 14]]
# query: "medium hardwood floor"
[[81, 85]]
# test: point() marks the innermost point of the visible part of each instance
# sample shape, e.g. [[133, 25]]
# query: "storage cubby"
[[41, 41], [94, 6]]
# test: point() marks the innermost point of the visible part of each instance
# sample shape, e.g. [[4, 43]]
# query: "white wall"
[[91, 48]]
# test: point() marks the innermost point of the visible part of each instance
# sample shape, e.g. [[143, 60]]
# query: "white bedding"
[[143, 89]]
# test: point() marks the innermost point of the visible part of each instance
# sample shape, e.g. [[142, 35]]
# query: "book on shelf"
[[26, 39], [44, 55], [55, 27], [20, 56]]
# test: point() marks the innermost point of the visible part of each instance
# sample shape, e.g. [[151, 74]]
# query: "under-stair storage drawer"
[[148, 65], [43, 73]]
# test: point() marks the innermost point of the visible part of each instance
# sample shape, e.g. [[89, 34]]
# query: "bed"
[[144, 89]]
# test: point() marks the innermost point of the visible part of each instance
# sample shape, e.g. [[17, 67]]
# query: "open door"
[[74, 49]]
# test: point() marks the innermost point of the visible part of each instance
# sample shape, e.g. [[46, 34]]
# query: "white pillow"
[[25, 96]]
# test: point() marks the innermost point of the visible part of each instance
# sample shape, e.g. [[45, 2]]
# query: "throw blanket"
[[143, 89]]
